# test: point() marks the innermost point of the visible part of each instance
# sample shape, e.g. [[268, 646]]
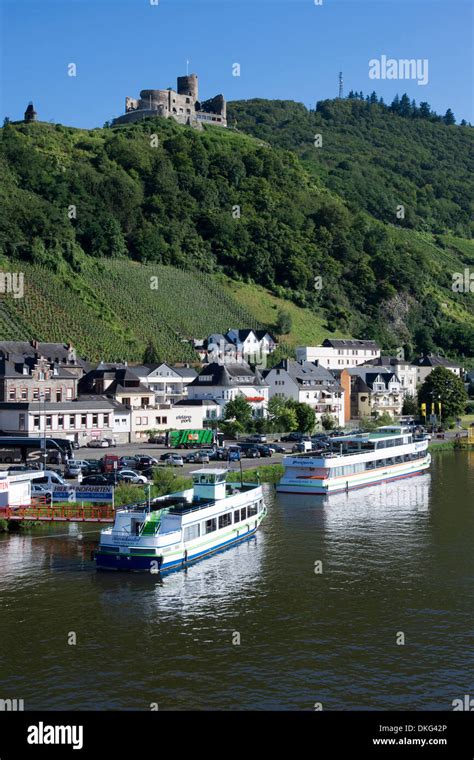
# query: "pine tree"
[[424, 110], [449, 118], [405, 105], [395, 107]]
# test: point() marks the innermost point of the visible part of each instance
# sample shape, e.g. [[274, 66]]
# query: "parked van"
[[50, 478]]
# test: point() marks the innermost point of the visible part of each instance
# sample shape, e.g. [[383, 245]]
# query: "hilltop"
[[228, 221]]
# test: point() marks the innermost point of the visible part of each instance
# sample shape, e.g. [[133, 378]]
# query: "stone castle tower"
[[181, 104], [30, 113]]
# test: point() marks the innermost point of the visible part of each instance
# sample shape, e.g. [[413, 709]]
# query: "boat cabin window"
[[237, 515], [210, 526], [225, 520], [252, 510], [243, 513], [192, 531]]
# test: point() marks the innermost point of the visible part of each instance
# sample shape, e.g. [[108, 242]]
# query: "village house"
[[308, 383], [404, 370], [79, 421], [375, 392], [62, 354], [425, 365], [32, 378], [168, 383], [336, 353], [224, 382], [251, 346], [119, 382]]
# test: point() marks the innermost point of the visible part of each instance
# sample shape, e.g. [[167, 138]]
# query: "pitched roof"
[[303, 371], [228, 374], [386, 361], [341, 343], [434, 360]]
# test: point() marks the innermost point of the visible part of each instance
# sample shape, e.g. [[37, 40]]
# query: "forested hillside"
[[314, 225]]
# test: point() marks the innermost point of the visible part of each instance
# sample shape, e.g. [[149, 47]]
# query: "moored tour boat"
[[182, 527], [356, 460]]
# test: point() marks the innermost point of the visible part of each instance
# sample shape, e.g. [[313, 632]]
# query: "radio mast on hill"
[[341, 84]]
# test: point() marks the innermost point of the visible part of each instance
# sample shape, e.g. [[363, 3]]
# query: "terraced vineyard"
[[113, 308]]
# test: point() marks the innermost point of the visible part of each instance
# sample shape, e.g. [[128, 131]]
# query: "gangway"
[[41, 513]]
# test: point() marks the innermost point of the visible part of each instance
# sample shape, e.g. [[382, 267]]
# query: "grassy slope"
[[308, 328]]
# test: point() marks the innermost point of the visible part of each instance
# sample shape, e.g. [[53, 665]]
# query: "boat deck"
[[180, 506]]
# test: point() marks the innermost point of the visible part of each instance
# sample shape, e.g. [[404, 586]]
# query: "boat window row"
[[387, 444], [223, 521], [353, 469]]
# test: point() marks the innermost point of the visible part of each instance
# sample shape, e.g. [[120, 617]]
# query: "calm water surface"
[[395, 559]]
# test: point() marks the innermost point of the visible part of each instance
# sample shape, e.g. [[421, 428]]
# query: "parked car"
[[92, 466], [130, 476], [291, 437], [252, 452], [145, 463], [99, 480], [98, 443], [111, 441], [129, 462], [265, 451], [278, 449], [157, 439], [173, 459], [257, 438], [74, 469], [24, 467], [201, 457], [39, 491]]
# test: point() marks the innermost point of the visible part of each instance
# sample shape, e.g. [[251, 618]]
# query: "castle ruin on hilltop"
[[182, 105]]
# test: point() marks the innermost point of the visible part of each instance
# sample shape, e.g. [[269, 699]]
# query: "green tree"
[[281, 416], [328, 422], [284, 323], [239, 411], [410, 406], [449, 117], [305, 415], [443, 386], [150, 355]]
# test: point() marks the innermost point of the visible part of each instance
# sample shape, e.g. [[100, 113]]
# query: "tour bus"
[[23, 450]]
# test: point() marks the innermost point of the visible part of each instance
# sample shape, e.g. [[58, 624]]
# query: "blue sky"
[[288, 49]]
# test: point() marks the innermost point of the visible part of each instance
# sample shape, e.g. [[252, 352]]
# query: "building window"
[[60, 421], [12, 394], [106, 420], [21, 421], [72, 420], [47, 394], [126, 401], [35, 394], [95, 420], [83, 420], [24, 394], [69, 394], [49, 422], [59, 395], [36, 422]]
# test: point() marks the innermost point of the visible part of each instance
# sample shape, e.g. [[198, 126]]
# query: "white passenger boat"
[[182, 527], [356, 460]]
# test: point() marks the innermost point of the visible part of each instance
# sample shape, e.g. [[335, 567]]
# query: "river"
[[363, 602]]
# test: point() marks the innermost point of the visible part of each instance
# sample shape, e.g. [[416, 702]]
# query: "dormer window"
[[25, 369]]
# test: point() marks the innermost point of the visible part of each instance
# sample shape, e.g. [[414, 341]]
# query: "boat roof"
[[210, 471], [386, 431]]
